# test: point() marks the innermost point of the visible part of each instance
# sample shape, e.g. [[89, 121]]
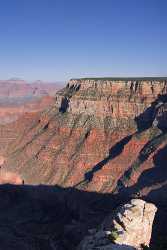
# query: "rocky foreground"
[[53, 218]]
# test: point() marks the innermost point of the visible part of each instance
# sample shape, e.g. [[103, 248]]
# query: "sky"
[[61, 39]]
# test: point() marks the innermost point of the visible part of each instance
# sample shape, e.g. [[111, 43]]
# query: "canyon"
[[102, 138], [87, 137]]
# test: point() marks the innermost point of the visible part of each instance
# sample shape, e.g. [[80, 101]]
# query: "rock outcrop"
[[130, 227]]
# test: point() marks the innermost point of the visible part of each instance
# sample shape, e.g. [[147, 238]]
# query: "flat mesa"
[[123, 78]]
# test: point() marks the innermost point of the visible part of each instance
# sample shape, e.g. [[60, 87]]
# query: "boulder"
[[129, 227]]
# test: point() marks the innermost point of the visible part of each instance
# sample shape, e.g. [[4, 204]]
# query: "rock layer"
[[114, 98]]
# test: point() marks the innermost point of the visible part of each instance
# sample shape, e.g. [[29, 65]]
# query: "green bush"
[[114, 235]]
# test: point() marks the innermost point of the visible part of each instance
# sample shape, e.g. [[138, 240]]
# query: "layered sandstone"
[[114, 98]]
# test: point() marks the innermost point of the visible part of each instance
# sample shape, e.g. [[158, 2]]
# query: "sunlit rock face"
[[129, 227], [114, 98], [96, 131]]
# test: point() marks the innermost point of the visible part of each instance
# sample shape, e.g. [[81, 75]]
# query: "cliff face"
[[117, 99], [100, 135]]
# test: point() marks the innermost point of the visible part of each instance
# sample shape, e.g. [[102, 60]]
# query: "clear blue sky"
[[61, 39]]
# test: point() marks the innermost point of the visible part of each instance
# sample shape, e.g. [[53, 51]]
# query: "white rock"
[[133, 224]]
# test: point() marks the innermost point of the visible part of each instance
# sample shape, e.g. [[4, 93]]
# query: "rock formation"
[[129, 227]]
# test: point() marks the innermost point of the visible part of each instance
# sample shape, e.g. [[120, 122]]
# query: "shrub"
[[114, 235]]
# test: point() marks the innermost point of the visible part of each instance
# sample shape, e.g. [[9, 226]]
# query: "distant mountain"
[[20, 88], [18, 96]]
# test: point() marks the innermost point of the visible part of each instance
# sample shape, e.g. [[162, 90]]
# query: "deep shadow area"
[[40, 217], [159, 230], [67, 93], [64, 105], [43, 217]]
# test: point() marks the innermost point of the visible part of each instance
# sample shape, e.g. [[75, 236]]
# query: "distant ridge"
[[15, 79], [123, 78]]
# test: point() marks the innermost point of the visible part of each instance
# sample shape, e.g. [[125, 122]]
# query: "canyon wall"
[[100, 135]]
